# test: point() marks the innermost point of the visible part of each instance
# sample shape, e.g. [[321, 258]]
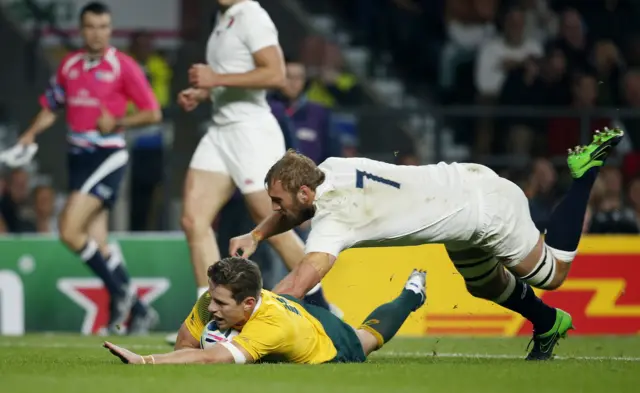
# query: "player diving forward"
[[277, 328], [482, 219]]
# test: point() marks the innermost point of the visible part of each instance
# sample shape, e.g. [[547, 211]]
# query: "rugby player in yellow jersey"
[[277, 328]]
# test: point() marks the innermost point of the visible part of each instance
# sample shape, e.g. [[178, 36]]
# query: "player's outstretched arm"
[[306, 275], [213, 355]]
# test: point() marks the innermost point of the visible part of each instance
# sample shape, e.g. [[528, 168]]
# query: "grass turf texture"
[[68, 364]]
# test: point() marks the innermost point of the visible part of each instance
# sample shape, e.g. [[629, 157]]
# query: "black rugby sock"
[[565, 225], [525, 302]]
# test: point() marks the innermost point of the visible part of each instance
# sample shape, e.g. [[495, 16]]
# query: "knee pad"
[[476, 266], [542, 274]]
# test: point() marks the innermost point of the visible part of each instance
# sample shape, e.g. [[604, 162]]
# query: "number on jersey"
[[286, 305], [361, 175]]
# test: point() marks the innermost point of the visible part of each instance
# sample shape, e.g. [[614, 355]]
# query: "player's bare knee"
[[195, 225], [71, 235], [369, 342], [544, 268]]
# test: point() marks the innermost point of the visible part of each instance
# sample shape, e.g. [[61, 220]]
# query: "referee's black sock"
[[90, 253], [121, 275]]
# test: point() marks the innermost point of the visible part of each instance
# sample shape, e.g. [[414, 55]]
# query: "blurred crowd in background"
[[532, 53]]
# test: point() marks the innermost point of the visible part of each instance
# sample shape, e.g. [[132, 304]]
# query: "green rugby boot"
[[544, 343], [582, 158]]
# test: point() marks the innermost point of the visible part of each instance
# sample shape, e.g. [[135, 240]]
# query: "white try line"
[[385, 354], [445, 355]]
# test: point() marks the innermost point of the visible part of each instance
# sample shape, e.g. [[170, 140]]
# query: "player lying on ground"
[[277, 328], [482, 219]]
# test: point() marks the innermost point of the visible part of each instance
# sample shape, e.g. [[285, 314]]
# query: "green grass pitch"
[[69, 364]]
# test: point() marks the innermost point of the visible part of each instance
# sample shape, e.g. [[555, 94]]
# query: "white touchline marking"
[[387, 354]]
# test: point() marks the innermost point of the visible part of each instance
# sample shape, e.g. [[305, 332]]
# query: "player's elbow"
[[277, 80]]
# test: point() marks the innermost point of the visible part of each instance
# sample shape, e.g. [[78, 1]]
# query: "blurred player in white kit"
[[244, 60], [483, 221]]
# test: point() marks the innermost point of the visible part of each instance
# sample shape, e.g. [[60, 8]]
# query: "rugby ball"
[[211, 335]]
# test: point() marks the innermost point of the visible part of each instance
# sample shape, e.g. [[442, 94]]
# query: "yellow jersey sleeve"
[[262, 336], [199, 316]]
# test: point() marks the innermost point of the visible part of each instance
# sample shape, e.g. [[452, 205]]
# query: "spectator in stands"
[[311, 122], [505, 53], [565, 131], [469, 24], [496, 58], [631, 99], [44, 208], [541, 23], [332, 85], [147, 156], [610, 214], [573, 40], [541, 189], [14, 200], [608, 64]]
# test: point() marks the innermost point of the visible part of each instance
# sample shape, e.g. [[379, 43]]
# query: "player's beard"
[[300, 212]]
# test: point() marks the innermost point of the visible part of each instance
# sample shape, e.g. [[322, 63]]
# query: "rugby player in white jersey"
[[244, 60], [482, 219]]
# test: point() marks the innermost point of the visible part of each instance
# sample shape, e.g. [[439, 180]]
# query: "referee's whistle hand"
[[202, 76], [106, 121]]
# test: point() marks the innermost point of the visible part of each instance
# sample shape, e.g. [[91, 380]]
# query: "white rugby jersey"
[[367, 203], [245, 28]]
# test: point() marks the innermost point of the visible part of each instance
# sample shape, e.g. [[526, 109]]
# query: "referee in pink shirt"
[[93, 86]]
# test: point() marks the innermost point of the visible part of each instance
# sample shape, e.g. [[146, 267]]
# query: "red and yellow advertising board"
[[602, 292]]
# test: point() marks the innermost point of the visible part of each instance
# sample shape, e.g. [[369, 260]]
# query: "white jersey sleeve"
[[327, 236], [258, 29]]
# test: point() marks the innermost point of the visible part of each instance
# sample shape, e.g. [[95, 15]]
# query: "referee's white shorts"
[[244, 150]]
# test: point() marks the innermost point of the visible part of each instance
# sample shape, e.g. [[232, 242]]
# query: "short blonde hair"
[[295, 170]]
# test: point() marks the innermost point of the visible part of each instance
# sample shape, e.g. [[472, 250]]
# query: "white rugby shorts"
[[506, 228], [244, 150]]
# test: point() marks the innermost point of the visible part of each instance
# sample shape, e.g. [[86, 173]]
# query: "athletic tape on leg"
[[542, 274]]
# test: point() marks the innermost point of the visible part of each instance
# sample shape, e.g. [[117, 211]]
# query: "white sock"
[[315, 289], [202, 290]]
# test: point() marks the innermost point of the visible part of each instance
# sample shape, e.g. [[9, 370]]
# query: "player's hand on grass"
[[125, 355], [106, 122], [243, 246], [202, 76], [188, 99]]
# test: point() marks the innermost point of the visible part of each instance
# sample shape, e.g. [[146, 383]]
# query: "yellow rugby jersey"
[[278, 330]]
